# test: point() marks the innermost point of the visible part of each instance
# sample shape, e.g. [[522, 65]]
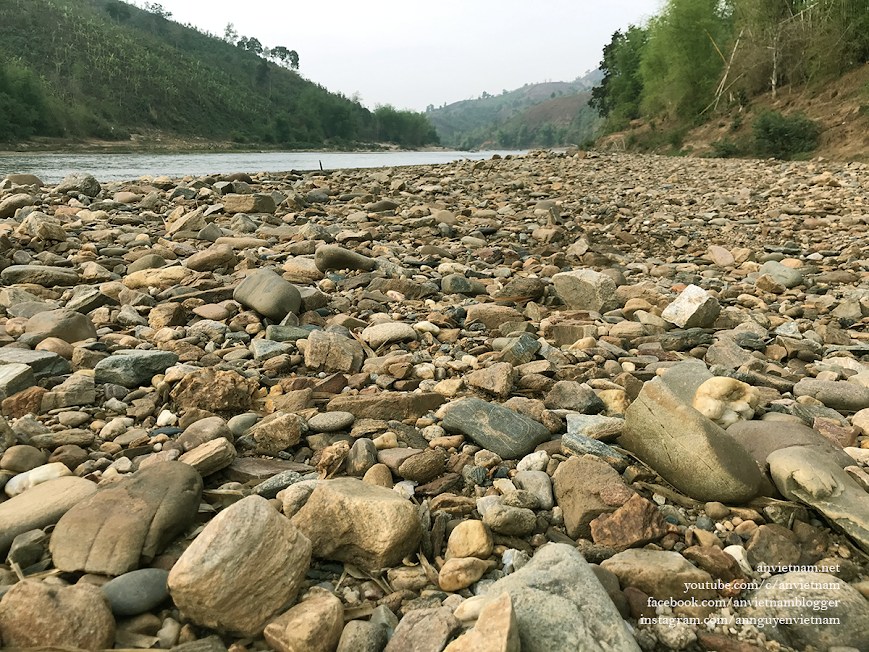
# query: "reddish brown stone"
[[214, 390], [840, 435], [28, 401], [634, 524], [332, 384], [714, 561], [638, 603]]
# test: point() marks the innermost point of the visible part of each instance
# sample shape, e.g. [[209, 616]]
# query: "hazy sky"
[[412, 53]]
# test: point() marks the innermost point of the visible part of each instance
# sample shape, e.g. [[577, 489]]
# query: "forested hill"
[[107, 69], [546, 114]]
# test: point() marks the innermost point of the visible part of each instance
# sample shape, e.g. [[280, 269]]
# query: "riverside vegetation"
[[548, 403], [106, 69], [698, 62]]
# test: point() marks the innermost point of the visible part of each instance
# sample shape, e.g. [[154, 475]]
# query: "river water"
[[51, 168]]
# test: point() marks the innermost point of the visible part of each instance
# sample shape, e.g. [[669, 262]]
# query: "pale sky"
[[412, 53]]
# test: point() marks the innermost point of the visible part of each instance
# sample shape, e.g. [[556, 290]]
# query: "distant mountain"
[[552, 113], [108, 69]]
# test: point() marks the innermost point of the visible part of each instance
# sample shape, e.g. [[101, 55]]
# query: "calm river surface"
[[51, 168]]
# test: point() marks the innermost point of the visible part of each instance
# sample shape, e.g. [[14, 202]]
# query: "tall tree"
[[618, 95], [683, 60]]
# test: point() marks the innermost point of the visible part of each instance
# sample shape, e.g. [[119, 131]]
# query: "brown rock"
[[497, 379], [28, 401], [659, 574], [492, 315], [634, 524], [840, 435], [315, 625], [354, 521], [469, 539], [386, 406], [460, 572], [332, 352], [718, 643], [246, 566], [35, 614], [585, 488], [424, 467], [496, 630], [211, 389], [276, 432], [210, 457], [166, 314], [774, 545], [714, 561]]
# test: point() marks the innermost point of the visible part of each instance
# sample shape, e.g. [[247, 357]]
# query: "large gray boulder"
[[561, 606], [269, 294], [687, 449]]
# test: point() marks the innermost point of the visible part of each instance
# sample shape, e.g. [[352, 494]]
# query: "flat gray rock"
[[802, 475], [496, 428], [133, 368]]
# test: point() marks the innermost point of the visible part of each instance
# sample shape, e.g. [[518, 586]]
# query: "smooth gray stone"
[[269, 294], [269, 488], [496, 428], [575, 444], [458, 284], [40, 275], [328, 257], [286, 333], [684, 378], [839, 395], [133, 368], [782, 274], [138, 591]]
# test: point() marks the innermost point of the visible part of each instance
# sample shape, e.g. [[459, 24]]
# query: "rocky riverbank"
[[546, 403]]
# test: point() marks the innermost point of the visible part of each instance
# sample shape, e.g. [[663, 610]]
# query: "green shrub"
[[725, 149], [783, 136]]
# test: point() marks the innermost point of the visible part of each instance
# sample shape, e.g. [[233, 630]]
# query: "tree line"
[[698, 56]]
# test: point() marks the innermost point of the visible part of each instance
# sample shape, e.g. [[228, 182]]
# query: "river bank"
[[539, 400]]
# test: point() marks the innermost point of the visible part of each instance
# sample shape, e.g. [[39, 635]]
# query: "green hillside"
[[106, 69], [512, 119]]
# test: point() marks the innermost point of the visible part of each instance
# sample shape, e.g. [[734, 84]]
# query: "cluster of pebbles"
[[554, 402]]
